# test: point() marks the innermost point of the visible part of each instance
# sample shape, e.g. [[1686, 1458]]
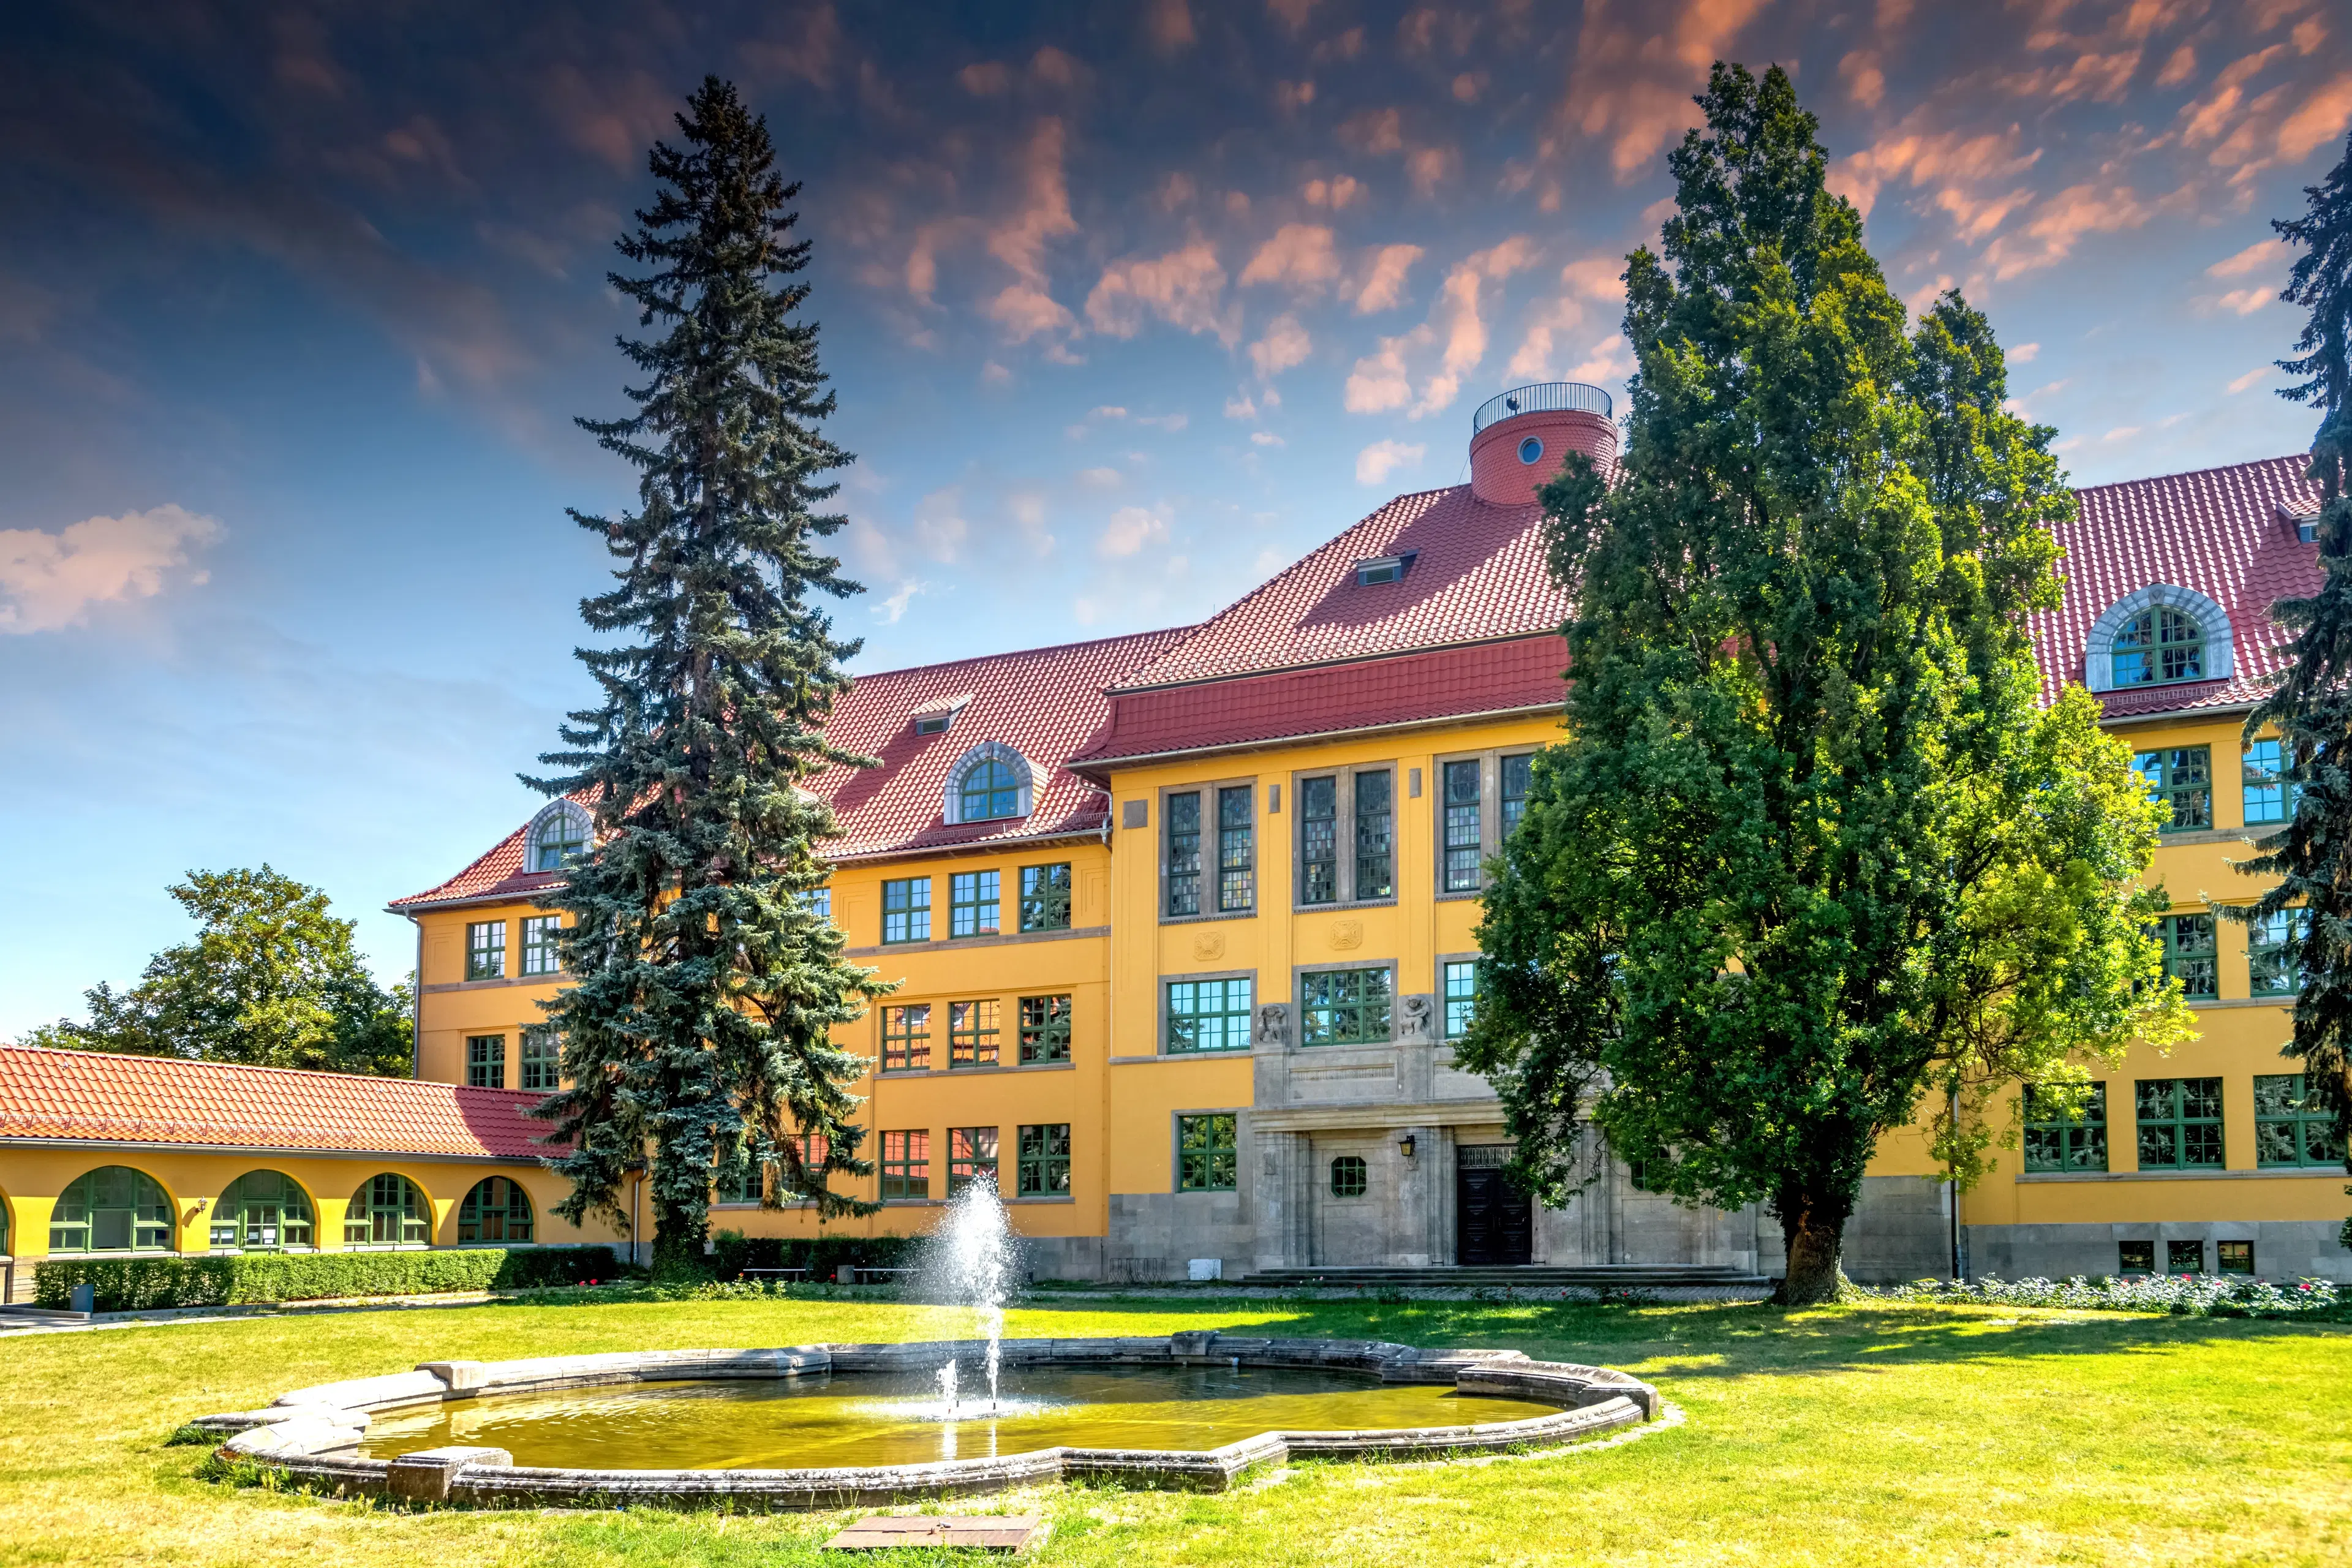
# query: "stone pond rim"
[[309, 1435]]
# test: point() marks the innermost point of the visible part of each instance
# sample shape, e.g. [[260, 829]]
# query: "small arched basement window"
[[559, 836], [990, 782], [2157, 635]]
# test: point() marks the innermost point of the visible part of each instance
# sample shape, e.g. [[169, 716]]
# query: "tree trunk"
[[1813, 1238], [678, 1239]]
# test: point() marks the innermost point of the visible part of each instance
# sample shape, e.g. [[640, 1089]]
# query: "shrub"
[[823, 1255], [147, 1284], [2188, 1295]]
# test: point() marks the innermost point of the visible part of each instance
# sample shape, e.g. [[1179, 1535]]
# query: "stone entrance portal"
[[1496, 1220]]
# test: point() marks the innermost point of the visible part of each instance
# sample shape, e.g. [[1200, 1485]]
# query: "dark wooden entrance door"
[[1496, 1220]]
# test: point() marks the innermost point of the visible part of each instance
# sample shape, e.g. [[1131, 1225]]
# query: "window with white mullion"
[[1347, 837]]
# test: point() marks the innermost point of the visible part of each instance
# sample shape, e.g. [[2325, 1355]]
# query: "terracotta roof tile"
[[1478, 575], [2216, 531], [160, 1099]]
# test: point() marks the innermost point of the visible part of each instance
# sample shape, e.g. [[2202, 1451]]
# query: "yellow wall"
[[31, 1178]]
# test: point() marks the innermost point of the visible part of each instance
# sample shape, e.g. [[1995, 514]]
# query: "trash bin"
[[82, 1298]]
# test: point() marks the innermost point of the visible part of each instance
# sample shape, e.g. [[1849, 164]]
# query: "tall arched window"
[[2157, 648], [112, 1209], [387, 1211], [990, 782], [559, 836], [496, 1210], [263, 1211]]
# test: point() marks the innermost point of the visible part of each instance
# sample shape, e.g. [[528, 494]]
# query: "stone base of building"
[[2284, 1250]]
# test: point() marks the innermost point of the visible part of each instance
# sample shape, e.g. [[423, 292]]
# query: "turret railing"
[[1544, 397]]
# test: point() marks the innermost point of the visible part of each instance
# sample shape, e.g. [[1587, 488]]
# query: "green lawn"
[[1861, 1434]]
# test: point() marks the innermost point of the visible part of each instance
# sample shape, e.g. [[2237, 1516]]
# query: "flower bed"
[[2188, 1295]]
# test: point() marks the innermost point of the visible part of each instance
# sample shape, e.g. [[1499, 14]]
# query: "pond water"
[[892, 1419]]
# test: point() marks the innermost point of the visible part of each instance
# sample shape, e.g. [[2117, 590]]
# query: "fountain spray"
[[974, 1258]]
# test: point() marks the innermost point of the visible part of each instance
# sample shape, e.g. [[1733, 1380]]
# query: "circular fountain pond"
[[880, 1418], [832, 1425]]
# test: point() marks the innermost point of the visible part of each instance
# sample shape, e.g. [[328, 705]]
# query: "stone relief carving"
[[1347, 934], [1274, 1024], [1417, 1016], [1208, 944]]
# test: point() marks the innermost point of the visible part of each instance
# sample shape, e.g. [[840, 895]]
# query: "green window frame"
[[972, 1030], [1347, 1006], [1375, 806], [972, 1157], [498, 1209], [1182, 838], [2158, 647], [2274, 948], [907, 1038], [539, 1064], [989, 790], [907, 1166], [1208, 1152], [2136, 1257], [2189, 955], [486, 950], [486, 1061], [1462, 813], [1045, 1029], [2180, 1123], [557, 841], [1460, 977], [975, 903], [1236, 851], [739, 1178], [1318, 840], [263, 1211], [1350, 1176], [1519, 773], [2288, 1133], [2180, 779], [387, 1211], [1046, 897], [2184, 1256], [2269, 793], [907, 909], [540, 952], [1208, 1016], [2056, 1140], [2234, 1257], [112, 1209], [1044, 1161]]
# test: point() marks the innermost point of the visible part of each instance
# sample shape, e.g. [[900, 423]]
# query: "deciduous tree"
[[708, 986], [1811, 851]]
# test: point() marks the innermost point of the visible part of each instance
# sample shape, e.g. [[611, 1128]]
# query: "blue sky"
[[1126, 304]]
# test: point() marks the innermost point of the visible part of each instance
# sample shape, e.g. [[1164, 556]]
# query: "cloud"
[[1334, 193], [1264, 438], [1299, 255], [1456, 329], [2051, 235], [1377, 461], [2023, 353], [2247, 380], [1611, 360], [1428, 167], [2179, 69], [1863, 78], [1380, 283], [1025, 308], [1183, 288], [2321, 118], [892, 610], [1379, 382], [1959, 166], [1130, 530], [2254, 257], [1636, 67], [1374, 131], [1169, 24], [1240, 407], [50, 580], [1285, 344], [986, 78], [2244, 301]]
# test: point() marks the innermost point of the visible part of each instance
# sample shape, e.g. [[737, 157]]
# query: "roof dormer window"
[[2157, 635], [934, 724], [937, 716], [990, 782], [1376, 569], [559, 836]]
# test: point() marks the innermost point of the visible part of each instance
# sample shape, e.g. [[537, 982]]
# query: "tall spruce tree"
[[1811, 851], [2311, 706], [698, 1028]]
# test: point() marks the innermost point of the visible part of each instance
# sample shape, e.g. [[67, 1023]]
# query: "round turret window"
[[1531, 449]]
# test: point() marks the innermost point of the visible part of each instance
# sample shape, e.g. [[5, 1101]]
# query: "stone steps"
[[1607, 1276]]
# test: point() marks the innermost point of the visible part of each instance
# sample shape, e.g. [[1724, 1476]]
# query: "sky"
[[1127, 306]]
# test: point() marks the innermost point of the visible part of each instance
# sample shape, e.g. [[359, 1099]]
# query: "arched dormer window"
[[559, 836], [990, 781], [2157, 635]]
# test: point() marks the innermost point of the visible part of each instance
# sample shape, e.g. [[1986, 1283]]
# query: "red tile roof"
[[1046, 703], [1478, 575], [2216, 531], [91, 1096]]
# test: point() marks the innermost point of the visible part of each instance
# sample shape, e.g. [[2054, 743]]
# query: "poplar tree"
[[2310, 705], [1811, 852], [707, 985]]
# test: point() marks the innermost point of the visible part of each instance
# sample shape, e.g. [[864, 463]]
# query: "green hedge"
[[823, 1255], [144, 1284]]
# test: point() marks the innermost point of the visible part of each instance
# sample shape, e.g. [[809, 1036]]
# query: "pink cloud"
[[1637, 66], [51, 581], [1380, 285], [1285, 344], [2051, 235], [1299, 255], [1183, 288], [1026, 308]]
